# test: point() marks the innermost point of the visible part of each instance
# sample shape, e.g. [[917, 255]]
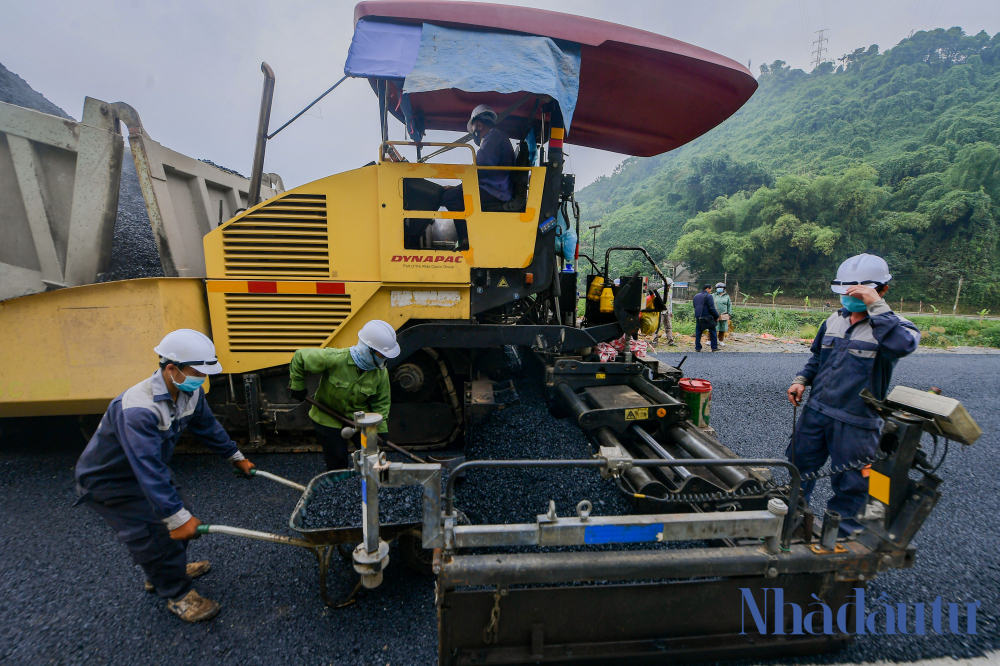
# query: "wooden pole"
[[957, 294]]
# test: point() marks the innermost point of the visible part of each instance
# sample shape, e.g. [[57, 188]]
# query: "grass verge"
[[935, 331]]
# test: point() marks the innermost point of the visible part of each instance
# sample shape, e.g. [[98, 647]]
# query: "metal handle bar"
[[382, 146], [277, 479], [607, 260], [793, 471], [252, 534]]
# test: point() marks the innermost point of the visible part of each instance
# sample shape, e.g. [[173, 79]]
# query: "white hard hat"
[[380, 336], [482, 110], [185, 347], [720, 284], [864, 269]]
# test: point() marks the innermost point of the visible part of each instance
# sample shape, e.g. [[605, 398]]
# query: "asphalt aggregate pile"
[[525, 430], [338, 504], [15, 90], [69, 593], [133, 248]]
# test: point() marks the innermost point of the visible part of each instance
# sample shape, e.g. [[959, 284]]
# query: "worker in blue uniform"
[[495, 186], [856, 348], [123, 474], [706, 317]]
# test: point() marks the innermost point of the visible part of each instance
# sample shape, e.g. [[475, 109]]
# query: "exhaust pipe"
[[257, 173]]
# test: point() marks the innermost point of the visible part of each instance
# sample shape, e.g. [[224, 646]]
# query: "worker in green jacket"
[[724, 305], [353, 379]]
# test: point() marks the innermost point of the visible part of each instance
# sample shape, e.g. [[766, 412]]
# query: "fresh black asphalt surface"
[[69, 593]]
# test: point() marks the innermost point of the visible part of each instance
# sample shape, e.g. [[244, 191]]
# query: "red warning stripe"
[[262, 287], [269, 287], [330, 288]]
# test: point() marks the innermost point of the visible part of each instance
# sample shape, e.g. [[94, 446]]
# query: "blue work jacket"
[[496, 151], [129, 454], [704, 306], [846, 359]]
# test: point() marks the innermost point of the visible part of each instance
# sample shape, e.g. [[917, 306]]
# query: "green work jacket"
[[343, 387], [723, 303]]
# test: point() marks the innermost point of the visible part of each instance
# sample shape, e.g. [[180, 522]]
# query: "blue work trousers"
[[818, 437], [713, 336], [148, 540]]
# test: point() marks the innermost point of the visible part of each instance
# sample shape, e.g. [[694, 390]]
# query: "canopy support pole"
[[382, 110]]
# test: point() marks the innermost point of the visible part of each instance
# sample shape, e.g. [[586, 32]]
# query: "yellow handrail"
[[381, 148]]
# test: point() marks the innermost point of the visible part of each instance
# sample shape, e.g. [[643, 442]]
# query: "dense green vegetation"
[[894, 153], [935, 331]]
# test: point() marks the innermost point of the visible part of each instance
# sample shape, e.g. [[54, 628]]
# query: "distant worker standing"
[[724, 305], [706, 317], [123, 474], [855, 348], [354, 379], [668, 326]]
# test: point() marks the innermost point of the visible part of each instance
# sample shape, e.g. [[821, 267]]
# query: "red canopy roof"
[[640, 93]]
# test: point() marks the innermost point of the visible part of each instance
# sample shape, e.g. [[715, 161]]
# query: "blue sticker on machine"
[[364, 491], [621, 533]]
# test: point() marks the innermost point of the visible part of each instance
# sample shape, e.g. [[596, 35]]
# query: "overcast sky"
[[192, 69]]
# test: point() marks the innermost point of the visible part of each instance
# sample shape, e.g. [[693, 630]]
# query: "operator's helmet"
[[380, 336], [720, 284], [864, 269], [482, 111], [187, 348]]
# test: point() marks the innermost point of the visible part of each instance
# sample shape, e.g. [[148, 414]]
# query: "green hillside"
[[895, 153]]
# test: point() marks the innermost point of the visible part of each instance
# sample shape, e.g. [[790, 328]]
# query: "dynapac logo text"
[[428, 259]]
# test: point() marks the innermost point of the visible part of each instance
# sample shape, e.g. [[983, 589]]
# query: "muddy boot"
[[194, 569], [193, 607]]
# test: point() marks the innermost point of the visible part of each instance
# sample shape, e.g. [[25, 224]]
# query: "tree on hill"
[[896, 153]]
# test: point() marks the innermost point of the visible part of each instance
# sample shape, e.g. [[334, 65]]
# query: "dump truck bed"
[[71, 351]]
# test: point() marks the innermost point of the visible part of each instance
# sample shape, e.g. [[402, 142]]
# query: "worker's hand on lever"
[[298, 394], [244, 466], [795, 392], [187, 531]]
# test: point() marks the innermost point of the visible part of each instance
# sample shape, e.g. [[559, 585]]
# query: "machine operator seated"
[[499, 191], [495, 187]]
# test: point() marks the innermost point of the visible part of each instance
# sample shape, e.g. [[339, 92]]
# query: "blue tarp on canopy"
[[496, 62], [382, 50], [430, 58]]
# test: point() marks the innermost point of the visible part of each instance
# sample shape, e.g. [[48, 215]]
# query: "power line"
[[819, 56]]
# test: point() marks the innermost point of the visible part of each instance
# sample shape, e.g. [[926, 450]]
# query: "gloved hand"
[[187, 531], [298, 394], [244, 466]]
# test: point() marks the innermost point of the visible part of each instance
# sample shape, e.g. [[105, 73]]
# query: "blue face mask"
[[363, 357], [190, 384], [853, 304], [719, 291]]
